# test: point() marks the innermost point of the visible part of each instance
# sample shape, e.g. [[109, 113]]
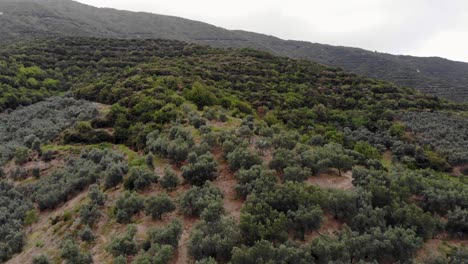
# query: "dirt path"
[[226, 182], [182, 255]]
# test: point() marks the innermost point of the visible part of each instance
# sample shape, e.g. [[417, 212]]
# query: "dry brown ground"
[[35, 162], [182, 255], [331, 179], [43, 237], [106, 227], [51, 236], [329, 226], [226, 182], [457, 171], [437, 246]]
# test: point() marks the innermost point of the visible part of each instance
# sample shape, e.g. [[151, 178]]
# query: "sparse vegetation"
[[78, 174]]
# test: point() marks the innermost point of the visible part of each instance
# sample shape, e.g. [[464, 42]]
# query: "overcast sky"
[[413, 27]]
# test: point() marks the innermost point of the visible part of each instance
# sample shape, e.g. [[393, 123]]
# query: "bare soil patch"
[[182, 255], [329, 227], [44, 237], [437, 247], [457, 171], [331, 179], [226, 182]]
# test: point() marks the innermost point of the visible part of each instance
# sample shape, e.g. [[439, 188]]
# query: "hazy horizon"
[[395, 27]]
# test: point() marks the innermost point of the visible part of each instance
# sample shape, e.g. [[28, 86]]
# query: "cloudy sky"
[[413, 27]]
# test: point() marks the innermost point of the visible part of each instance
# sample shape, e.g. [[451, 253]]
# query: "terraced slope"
[[21, 19]]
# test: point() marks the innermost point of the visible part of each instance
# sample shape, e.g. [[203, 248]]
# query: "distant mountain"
[[37, 18]]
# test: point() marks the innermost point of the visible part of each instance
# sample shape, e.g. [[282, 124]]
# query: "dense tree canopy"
[[12, 215]]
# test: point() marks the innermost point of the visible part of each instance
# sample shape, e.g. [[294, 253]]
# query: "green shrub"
[[41, 259], [128, 205], [21, 155], [214, 239], [158, 205], [201, 95], [200, 169], [139, 178], [296, 173], [170, 180], [72, 254], [36, 172], [87, 234], [167, 235], [241, 158], [197, 199], [124, 245]]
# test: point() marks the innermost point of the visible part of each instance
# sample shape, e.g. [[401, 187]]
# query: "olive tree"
[[124, 245], [72, 254], [242, 158], [139, 178], [127, 206], [169, 180], [296, 173], [158, 205], [197, 199], [214, 239], [200, 169]]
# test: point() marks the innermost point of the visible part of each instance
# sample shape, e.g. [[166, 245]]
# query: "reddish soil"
[[457, 171], [267, 157], [182, 255], [43, 237], [145, 223], [226, 182], [43, 232], [331, 179], [437, 246], [35, 162], [329, 227]]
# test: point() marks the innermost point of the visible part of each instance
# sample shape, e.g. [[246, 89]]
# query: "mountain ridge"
[[46, 18]]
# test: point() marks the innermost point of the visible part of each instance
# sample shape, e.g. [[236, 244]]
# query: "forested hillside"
[[21, 19], [158, 151]]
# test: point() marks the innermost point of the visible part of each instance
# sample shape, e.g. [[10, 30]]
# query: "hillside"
[[161, 151], [38, 18]]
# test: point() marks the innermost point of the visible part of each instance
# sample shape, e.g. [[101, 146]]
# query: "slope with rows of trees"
[[198, 154], [50, 18]]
